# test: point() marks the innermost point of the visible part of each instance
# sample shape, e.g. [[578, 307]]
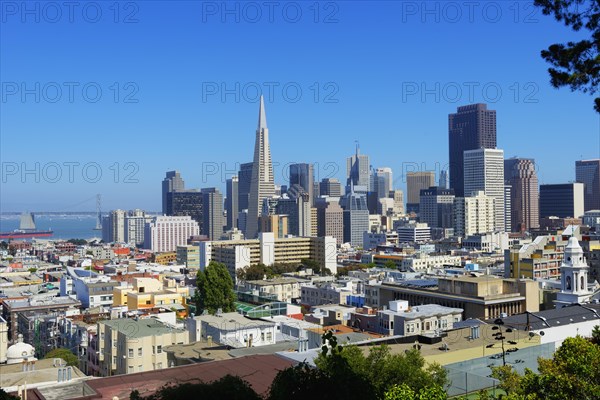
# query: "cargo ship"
[[26, 229]]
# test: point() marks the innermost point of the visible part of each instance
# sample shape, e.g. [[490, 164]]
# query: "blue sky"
[[133, 90]]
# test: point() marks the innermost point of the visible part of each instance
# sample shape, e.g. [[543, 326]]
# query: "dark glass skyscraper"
[[187, 203], [303, 175], [471, 127], [588, 173]]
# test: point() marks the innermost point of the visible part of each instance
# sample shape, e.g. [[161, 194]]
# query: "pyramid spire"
[[262, 117]]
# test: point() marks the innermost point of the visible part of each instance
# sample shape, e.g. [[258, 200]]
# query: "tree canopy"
[[228, 387], [65, 354], [215, 289], [575, 64]]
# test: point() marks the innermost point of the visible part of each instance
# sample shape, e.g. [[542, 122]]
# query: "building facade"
[[588, 173], [562, 200], [165, 233], [415, 182], [521, 175]]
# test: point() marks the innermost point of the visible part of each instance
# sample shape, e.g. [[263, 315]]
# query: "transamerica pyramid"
[[262, 185]]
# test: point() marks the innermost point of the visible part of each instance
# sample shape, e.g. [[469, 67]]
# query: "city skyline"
[[175, 107]]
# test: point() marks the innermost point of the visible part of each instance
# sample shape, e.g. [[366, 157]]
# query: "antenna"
[[98, 210]]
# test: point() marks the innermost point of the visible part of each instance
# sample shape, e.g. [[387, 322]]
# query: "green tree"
[[575, 64], [572, 373], [78, 242], [596, 335], [389, 264], [6, 396], [228, 387], [65, 354], [215, 289]]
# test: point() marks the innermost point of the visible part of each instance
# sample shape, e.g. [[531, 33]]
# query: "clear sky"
[[130, 90]]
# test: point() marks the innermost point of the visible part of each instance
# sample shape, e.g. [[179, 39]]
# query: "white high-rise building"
[[113, 226], [484, 170], [135, 223], [474, 215], [165, 233], [387, 174], [262, 185]]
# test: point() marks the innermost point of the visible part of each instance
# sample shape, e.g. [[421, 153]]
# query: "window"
[[130, 352], [269, 336], [140, 368], [139, 351], [130, 370], [158, 349]]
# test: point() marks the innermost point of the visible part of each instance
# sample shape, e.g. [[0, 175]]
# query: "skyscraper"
[[303, 174], [357, 168], [330, 187], [330, 218], [443, 180], [356, 217], [388, 176], [186, 203], [484, 170], [262, 185], [562, 200], [471, 127], [437, 207], [231, 202], [588, 173], [474, 215], [172, 183], [244, 179], [212, 221], [525, 196], [415, 182]]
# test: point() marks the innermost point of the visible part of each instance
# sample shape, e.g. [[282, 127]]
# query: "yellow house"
[[150, 293]]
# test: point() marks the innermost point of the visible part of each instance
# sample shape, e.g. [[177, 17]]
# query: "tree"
[[228, 387], [77, 242], [6, 396], [215, 289], [596, 335], [575, 64], [308, 263], [389, 264], [65, 354], [572, 373]]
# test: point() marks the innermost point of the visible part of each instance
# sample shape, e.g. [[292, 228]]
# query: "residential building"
[[487, 242], [419, 262], [521, 175], [267, 249], [127, 345], [436, 207], [113, 227], [232, 329], [189, 256], [562, 200], [484, 171], [415, 182], [165, 233], [172, 183], [539, 259], [471, 127], [588, 173], [280, 289], [3, 340], [135, 221], [147, 293], [88, 287], [474, 215]]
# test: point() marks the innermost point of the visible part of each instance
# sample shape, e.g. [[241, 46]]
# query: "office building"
[[303, 175], [521, 175], [507, 207], [330, 187], [443, 179], [471, 127], [244, 179], [212, 222], [398, 196], [356, 217], [562, 200], [330, 218], [357, 170], [231, 202], [172, 183], [186, 203], [436, 207], [588, 173], [484, 171], [277, 224], [165, 233], [415, 182], [261, 185], [474, 215], [414, 233]]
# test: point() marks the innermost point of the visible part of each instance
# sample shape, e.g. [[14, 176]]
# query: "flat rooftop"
[[140, 328], [237, 320]]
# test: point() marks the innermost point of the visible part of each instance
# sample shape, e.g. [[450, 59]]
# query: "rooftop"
[[555, 317], [140, 328], [237, 320]]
